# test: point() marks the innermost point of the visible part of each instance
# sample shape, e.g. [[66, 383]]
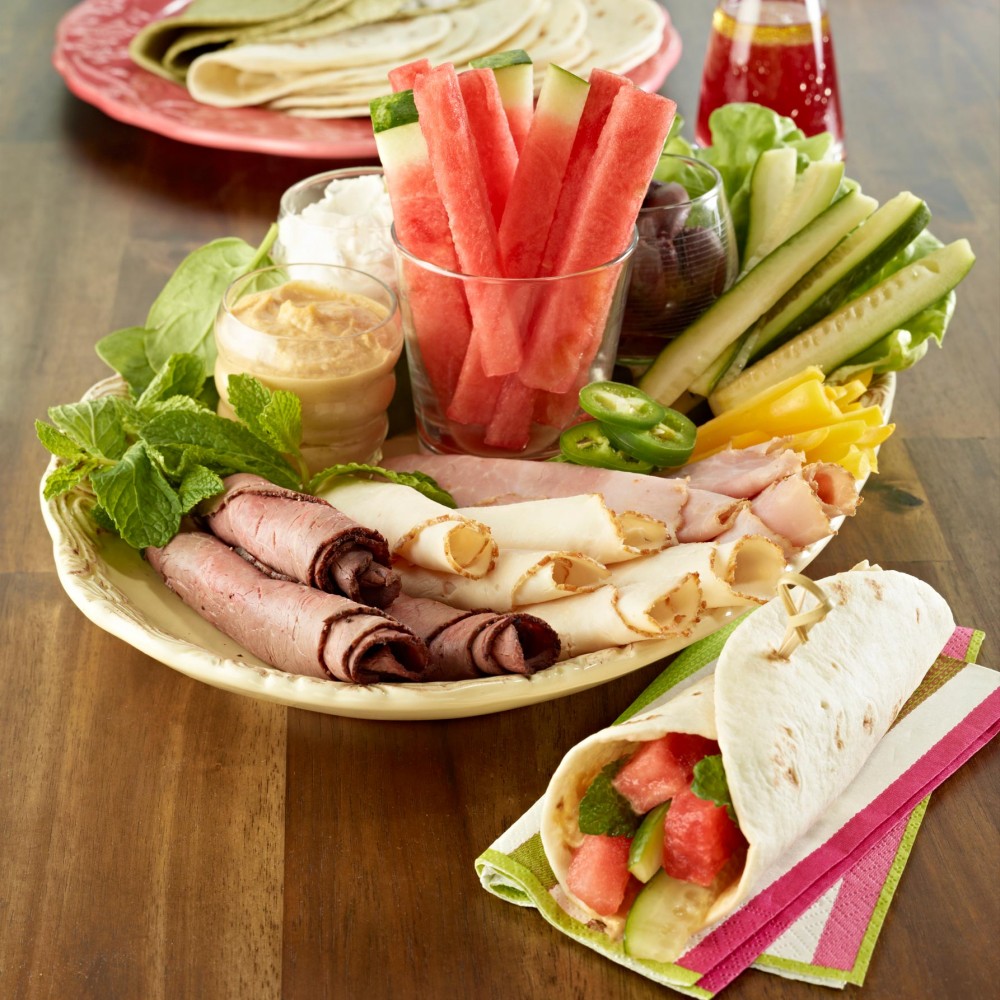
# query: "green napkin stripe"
[[680, 979], [531, 854], [801, 969], [975, 644], [885, 897]]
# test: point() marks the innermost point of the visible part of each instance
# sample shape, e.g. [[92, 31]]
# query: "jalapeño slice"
[[668, 444], [620, 405], [587, 444]]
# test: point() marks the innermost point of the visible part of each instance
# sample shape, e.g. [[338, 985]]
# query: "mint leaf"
[[96, 426], [58, 443], [274, 416], [419, 481], [198, 484], [204, 438], [64, 478], [125, 352], [142, 504], [710, 783], [604, 810], [182, 375]]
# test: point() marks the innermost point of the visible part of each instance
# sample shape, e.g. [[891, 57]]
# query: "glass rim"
[[717, 188], [324, 178], [427, 265], [392, 308]]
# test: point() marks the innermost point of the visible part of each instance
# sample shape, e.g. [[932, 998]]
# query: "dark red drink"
[[773, 52]]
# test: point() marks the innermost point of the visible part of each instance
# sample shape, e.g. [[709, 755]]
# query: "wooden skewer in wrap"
[[799, 622]]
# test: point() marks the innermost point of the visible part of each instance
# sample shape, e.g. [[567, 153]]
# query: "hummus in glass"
[[334, 343]]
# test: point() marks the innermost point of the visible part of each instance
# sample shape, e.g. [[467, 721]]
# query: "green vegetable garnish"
[[604, 810], [710, 783]]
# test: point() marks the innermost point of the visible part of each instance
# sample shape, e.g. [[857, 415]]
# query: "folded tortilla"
[[520, 577], [417, 529], [794, 729], [295, 536]]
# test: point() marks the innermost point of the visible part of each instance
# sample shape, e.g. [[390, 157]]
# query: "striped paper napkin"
[[818, 913]]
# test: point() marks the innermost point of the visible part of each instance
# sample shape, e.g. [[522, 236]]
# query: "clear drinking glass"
[[778, 53], [329, 334], [552, 334], [686, 258]]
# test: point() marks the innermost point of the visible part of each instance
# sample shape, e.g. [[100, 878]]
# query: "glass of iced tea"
[[773, 52]]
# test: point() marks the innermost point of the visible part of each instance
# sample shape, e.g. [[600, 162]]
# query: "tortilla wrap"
[[793, 729]]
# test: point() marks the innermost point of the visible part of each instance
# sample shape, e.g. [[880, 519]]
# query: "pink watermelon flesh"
[[598, 873], [494, 143], [519, 120], [566, 335], [402, 77], [698, 839], [445, 126], [510, 425], [476, 393], [651, 776], [440, 314], [604, 86], [535, 192]]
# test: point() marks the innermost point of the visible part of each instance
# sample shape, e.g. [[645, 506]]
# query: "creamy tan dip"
[[336, 350]]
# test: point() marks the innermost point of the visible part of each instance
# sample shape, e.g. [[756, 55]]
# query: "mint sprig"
[[710, 783], [604, 810]]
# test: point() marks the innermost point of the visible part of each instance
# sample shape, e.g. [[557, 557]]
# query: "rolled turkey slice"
[[576, 522], [737, 573], [295, 536], [468, 644], [519, 577], [417, 528], [290, 626], [477, 482]]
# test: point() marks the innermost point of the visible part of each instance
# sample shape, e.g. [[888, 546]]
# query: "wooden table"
[[164, 839]]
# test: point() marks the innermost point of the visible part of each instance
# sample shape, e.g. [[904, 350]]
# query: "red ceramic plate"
[[91, 54]]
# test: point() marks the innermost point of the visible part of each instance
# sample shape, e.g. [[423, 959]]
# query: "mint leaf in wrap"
[[604, 810], [710, 783]]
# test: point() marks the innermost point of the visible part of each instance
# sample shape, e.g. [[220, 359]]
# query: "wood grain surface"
[[161, 839]]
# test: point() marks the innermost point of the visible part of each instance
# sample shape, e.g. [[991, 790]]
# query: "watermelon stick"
[[445, 126], [604, 87], [402, 77], [515, 78], [494, 143], [437, 303], [540, 170], [568, 330]]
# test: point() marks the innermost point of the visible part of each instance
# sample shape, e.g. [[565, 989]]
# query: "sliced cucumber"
[[811, 192], [863, 253], [645, 856], [771, 184], [689, 355], [664, 916], [856, 325]]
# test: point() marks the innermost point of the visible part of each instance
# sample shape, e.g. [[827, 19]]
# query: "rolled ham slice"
[[476, 482], [290, 626], [791, 508], [836, 488], [295, 536], [746, 524], [583, 522], [519, 577], [417, 529], [706, 515], [468, 644], [742, 472]]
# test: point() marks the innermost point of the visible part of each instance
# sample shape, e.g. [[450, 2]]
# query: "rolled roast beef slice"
[[469, 644], [300, 537], [291, 626]]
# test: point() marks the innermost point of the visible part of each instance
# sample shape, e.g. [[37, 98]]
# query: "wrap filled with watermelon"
[[686, 807]]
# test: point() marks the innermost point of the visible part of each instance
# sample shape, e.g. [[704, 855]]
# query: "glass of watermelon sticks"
[[496, 363], [686, 258]]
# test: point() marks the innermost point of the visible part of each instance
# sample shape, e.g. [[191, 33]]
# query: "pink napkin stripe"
[[734, 945], [856, 900], [958, 644]]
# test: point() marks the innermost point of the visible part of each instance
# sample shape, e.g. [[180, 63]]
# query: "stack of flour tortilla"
[[329, 58]]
